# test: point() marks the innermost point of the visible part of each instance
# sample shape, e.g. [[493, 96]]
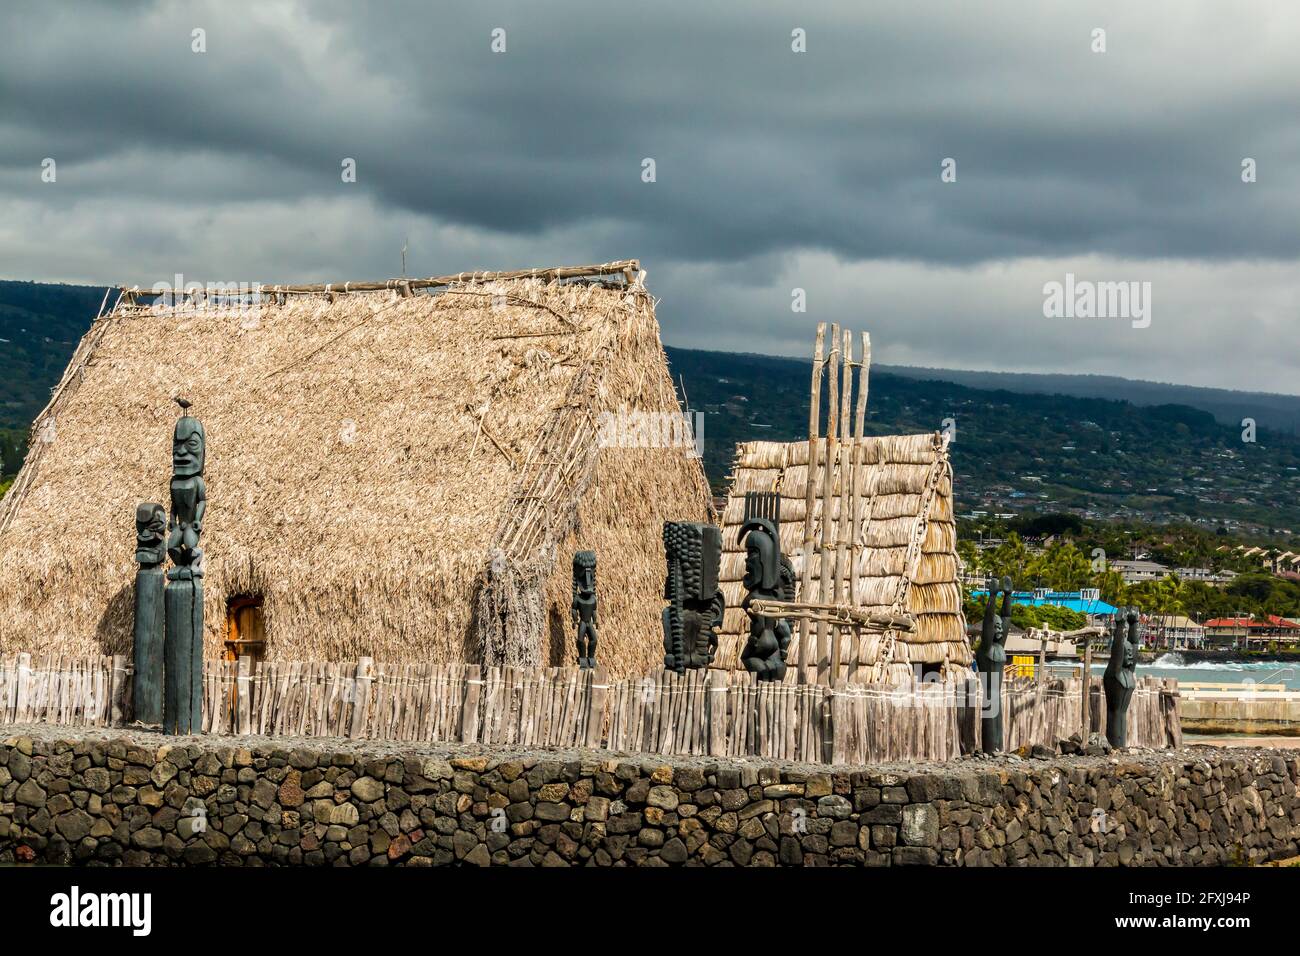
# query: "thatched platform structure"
[[398, 470], [867, 523], [904, 556]]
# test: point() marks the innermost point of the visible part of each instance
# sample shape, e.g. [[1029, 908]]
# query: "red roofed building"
[[1249, 629]]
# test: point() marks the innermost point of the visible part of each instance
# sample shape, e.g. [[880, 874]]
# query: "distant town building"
[[1240, 631], [1215, 579], [1175, 631], [1135, 572]]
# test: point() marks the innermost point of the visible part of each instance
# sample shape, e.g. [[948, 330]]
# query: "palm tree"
[[1112, 587], [1167, 599], [1010, 559]]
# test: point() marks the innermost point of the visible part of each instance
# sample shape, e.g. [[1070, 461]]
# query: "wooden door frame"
[[234, 644]]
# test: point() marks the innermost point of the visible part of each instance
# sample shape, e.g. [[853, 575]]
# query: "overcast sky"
[[774, 169]]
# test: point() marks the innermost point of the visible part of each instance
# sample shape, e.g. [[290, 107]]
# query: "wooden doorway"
[[245, 628]]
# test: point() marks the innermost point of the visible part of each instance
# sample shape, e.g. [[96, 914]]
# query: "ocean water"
[[1172, 664]]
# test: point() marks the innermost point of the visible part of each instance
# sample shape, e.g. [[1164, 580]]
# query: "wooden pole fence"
[[707, 713]]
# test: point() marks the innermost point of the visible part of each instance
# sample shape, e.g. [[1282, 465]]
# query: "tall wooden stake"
[[810, 499], [864, 370], [842, 573], [857, 470], [825, 589], [1086, 719]]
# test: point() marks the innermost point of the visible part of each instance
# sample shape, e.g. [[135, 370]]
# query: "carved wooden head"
[[189, 447], [150, 533], [584, 570], [762, 555]]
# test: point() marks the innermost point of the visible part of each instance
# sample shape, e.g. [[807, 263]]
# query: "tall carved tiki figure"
[[584, 606], [991, 658], [1121, 675], [150, 553], [768, 577], [183, 652], [695, 602]]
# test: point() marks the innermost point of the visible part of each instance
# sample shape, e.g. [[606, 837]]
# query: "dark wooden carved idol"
[[695, 602], [768, 577], [183, 652], [991, 658], [1120, 678], [584, 605], [147, 650]]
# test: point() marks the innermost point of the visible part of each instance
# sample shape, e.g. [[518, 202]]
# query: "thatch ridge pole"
[[810, 494], [623, 266], [825, 590]]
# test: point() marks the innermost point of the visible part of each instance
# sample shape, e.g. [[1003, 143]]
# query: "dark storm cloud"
[[774, 169]]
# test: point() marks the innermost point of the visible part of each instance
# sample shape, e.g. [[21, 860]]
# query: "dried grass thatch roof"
[[370, 454], [906, 558]]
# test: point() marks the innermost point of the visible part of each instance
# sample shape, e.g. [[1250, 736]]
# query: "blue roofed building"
[[1084, 602]]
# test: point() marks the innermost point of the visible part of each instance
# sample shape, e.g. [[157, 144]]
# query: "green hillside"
[[40, 326], [1022, 453]]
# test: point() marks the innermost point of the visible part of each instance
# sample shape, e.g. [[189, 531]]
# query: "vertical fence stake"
[[596, 705], [24, 676], [243, 694], [469, 708], [361, 704], [1086, 717], [117, 692]]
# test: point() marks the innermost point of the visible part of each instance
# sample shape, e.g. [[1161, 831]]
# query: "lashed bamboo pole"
[[857, 468], [843, 573], [825, 590], [810, 498], [841, 615], [864, 373]]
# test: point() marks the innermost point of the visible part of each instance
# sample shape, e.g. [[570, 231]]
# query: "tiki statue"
[[147, 650], [695, 602], [768, 577], [150, 535], [183, 648], [1120, 677], [189, 497], [584, 605], [991, 658]]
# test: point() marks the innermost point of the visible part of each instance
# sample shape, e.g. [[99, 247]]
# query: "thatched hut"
[[904, 558], [399, 470]]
